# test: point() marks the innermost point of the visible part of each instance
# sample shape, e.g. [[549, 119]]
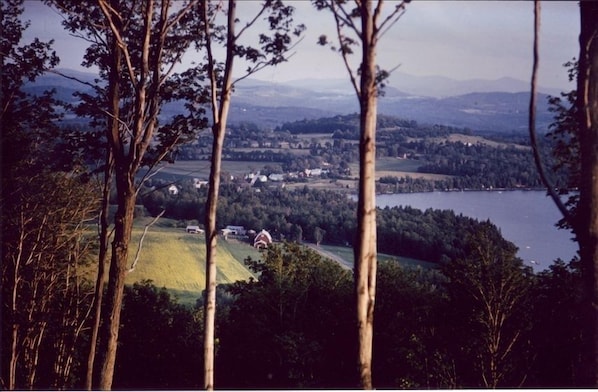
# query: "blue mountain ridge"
[[269, 104]]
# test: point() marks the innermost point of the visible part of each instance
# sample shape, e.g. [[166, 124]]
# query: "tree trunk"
[[587, 93], [118, 268], [220, 116], [100, 278], [122, 229], [365, 251], [211, 241]]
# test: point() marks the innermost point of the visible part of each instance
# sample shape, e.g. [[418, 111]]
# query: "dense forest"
[[292, 327]]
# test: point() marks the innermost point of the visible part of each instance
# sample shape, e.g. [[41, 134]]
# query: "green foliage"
[[292, 327], [44, 288], [491, 324], [160, 345], [564, 133], [557, 326], [410, 306], [44, 202], [431, 235], [479, 165]]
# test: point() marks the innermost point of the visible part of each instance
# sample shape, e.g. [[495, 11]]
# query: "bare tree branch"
[[140, 244], [392, 19], [532, 121], [108, 11], [344, 53]]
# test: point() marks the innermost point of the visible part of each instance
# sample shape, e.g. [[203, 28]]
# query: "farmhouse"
[[262, 239], [236, 230], [197, 183], [194, 230]]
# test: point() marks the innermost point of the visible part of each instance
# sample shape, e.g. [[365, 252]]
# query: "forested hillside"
[[297, 215], [292, 328], [456, 158]]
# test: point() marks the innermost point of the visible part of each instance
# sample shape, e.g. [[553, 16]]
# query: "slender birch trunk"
[[220, 109], [365, 251]]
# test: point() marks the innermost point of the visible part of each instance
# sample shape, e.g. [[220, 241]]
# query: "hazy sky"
[[456, 39]]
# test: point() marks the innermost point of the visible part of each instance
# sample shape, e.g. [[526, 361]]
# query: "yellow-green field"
[[173, 259]]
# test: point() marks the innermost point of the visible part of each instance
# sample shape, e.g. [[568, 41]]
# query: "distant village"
[[256, 177]]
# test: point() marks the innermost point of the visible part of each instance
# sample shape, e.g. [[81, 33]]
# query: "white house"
[[194, 230], [236, 230], [173, 190], [276, 177], [197, 183]]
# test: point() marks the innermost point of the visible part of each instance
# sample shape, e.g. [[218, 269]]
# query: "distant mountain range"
[[431, 86], [483, 105]]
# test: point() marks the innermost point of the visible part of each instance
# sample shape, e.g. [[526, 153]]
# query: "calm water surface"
[[526, 218]]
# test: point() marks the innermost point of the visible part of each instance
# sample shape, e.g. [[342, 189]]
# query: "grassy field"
[[346, 253], [201, 169], [458, 137], [173, 259], [395, 167]]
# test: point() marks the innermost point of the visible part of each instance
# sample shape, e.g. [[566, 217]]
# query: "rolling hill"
[[482, 105]]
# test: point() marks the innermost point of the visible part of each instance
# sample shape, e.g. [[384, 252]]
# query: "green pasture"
[[201, 169], [395, 167], [173, 259], [346, 253], [292, 151], [396, 164]]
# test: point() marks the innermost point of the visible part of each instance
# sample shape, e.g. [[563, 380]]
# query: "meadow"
[[174, 259], [395, 167]]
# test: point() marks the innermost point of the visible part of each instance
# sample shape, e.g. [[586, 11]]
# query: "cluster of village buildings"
[[278, 177], [256, 177], [260, 240]]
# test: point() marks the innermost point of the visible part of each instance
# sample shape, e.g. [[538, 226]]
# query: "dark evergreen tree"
[[289, 328]]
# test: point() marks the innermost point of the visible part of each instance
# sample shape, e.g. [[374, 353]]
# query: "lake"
[[526, 218]]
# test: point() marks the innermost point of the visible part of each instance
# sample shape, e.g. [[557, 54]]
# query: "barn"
[[262, 239]]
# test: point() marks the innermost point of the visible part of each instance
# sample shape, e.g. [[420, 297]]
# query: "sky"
[[456, 39]]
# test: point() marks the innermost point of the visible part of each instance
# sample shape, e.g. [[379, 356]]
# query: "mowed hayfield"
[[201, 169], [175, 260], [398, 167], [458, 137]]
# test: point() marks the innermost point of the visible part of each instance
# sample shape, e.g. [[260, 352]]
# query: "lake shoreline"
[[469, 190], [525, 217]]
